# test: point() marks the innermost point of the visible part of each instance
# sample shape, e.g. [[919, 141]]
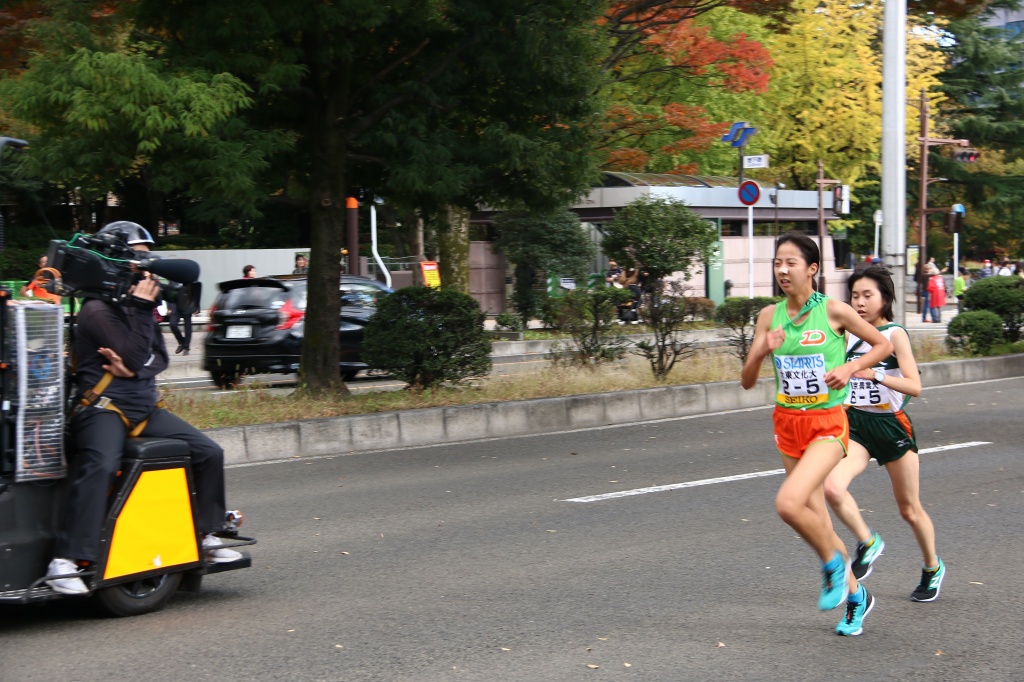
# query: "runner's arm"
[[910, 382], [759, 349], [846, 318]]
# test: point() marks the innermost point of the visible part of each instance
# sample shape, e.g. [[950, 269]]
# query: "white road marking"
[[738, 477]]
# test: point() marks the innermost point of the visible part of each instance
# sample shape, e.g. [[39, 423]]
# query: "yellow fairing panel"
[[155, 528]]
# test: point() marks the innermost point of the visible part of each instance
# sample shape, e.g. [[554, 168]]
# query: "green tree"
[[984, 89], [439, 108], [659, 236], [538, 242]]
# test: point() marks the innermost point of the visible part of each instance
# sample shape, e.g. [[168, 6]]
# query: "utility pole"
[[922, 208], [822, 182], [894, 150]]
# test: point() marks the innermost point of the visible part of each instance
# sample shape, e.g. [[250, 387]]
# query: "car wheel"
[[140, 596], [226, 379]]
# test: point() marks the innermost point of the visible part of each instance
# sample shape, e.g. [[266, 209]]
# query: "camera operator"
[[119, 351]]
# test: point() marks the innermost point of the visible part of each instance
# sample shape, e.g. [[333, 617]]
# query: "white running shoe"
[[65, 567], [216, 553]]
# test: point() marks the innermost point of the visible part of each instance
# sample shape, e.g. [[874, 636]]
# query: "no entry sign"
[[749, 193]]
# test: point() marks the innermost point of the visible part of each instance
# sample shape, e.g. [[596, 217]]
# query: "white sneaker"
[[65, 585], [216, 553]]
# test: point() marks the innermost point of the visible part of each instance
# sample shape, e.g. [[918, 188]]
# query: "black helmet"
[[131, 233]]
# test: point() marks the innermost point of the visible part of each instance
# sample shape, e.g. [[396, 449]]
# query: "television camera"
[[104, 266]]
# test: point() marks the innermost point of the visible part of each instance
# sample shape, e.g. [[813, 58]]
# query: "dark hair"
[[247, 269], [881, 277], [807, 247]]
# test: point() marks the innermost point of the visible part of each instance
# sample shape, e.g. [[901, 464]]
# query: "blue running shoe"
[[852, 623], [833, 585], [931, 581], [866, 555]]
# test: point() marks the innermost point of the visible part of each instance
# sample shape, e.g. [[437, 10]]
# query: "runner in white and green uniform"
[[880, 428], [877, 419]]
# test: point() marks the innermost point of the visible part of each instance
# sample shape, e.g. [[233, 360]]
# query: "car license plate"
[[238, 331]]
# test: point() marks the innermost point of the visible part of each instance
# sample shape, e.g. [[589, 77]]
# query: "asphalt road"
[[467, 562]]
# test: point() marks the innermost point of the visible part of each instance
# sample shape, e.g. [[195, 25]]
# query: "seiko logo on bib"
[[812, 337]]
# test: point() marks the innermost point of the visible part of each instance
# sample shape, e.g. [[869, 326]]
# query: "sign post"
[[957, 208], [431, 275], [878, 226], [749, 193]]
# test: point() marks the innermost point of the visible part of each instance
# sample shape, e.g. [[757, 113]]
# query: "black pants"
[[174, 315], [98, 438]]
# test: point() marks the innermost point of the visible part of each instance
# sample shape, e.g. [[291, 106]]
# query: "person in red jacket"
[[936, 293]]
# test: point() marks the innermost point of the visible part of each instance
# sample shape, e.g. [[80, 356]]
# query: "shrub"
[[739, 315], [974, 332], [508, 322], [700, 308], [428, 336], [1003, 296], [665, 311], [589, 316]]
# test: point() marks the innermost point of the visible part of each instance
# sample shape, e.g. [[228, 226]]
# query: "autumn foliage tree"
[[663, 60]]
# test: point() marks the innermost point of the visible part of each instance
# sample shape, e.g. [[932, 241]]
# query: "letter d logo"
[[813, 337]]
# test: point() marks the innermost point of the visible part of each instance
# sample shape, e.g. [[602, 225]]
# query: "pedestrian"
[[960, 285], [1004, 269], [936, 293], [923, 275], [181, 309], [804, 336], [611, 277], [301, 265], [249, 272], [36, 286], [986, 269], [880, 429]]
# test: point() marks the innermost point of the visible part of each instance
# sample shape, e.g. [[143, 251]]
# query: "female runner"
[[880, 428], [804, 336]]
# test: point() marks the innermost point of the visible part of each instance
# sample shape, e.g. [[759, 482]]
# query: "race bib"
[[866, 393], [801, 380]]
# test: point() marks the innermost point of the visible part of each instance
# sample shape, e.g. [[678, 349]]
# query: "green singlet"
[[810, 350]]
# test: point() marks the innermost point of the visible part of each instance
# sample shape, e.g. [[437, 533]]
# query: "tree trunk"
[[453, 244], [319, 372]]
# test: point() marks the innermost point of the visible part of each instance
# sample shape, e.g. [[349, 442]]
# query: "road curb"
[[440, 425]]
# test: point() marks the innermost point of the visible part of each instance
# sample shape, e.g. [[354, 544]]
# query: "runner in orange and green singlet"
[[805, 337]]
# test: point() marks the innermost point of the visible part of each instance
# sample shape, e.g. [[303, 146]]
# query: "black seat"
[[155, 448]]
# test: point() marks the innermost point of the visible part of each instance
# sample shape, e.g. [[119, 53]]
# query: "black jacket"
[[130, 330]]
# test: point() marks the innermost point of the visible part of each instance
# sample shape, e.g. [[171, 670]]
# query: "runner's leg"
[[838, 494], [904, 474], [800, 501]]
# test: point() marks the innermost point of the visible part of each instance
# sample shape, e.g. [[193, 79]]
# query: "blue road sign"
[[749, 193], [739, 134]]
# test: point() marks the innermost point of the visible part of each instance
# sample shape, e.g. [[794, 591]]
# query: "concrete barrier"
[[437, 425]]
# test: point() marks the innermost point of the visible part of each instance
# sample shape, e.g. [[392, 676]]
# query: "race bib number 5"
[[801, 380], [866, 393]]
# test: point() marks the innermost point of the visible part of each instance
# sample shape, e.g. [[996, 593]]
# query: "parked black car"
[[256, 326]]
